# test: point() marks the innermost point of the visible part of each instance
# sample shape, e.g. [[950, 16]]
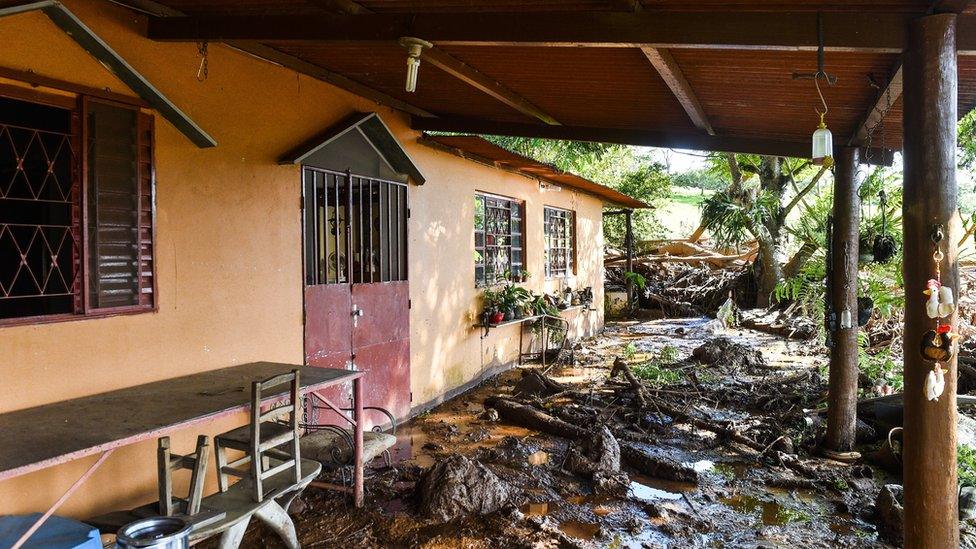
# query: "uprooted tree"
[[762, 193]]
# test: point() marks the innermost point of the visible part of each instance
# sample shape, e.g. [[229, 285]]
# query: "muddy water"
[[731, 507]]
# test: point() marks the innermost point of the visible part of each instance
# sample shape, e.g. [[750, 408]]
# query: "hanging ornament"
[[885, 245], [935, 383], [938, 345]]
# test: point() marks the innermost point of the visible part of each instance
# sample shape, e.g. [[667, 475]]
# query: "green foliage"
[[879, 365], [730, 219], [966, 459], [703, 178], [630, 351], [617, 166], [806, 289], [636, 279], [967, 140], [655, 370]]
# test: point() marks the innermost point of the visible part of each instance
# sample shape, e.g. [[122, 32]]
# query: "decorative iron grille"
[[497, 239], [560, 241], [356, 225], [40, 245]]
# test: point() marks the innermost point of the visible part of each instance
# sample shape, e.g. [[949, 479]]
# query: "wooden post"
[[842, 411], [629, 242], [929, 455]]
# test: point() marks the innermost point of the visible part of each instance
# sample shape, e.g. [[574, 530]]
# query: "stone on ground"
[[459, 486]]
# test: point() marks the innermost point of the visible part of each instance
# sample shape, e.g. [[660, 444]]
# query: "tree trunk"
[[770, 272], [799, 259]]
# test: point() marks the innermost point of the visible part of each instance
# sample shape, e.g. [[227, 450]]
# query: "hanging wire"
[[204, 70]]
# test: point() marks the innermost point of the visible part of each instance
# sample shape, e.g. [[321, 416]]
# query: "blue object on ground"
[[56, 532]]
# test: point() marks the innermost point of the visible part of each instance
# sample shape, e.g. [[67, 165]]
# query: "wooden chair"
[[260, 440], [168, 462]]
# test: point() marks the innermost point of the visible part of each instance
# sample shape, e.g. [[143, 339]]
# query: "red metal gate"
[[356, 289]]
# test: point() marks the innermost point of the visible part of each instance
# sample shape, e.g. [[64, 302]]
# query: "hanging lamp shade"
[[823, 145]]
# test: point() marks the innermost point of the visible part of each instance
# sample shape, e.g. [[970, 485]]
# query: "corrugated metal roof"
[[477, 148]]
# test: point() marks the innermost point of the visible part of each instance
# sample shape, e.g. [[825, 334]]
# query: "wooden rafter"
[[668, 68], [886, 98], [474, 78], [278, 57], [869, 32], [647, 138], [272, 55], [892, 90], [116, 64]]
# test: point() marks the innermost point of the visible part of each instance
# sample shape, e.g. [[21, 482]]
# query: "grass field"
[[681, 215]]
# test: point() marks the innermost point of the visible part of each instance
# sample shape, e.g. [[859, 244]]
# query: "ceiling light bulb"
[[415, 46], [823, 145]]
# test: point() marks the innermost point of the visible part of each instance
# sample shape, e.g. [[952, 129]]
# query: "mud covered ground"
[[743, 497]]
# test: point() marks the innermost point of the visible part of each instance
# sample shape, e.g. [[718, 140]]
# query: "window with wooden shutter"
[[76, 209], [119, 208]]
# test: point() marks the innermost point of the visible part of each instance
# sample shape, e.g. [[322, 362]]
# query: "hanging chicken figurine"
[[940, 303], [937, 345], [935, 383]]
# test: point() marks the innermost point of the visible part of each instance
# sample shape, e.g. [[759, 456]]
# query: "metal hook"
[[938, 233]]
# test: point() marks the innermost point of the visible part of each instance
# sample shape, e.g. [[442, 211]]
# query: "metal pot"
[[155, 532]]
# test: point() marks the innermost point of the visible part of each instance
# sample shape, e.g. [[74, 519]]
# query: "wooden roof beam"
[[647, 138], [668, 68], [474, 78], [265, 53], [879, 109], [869, 32]]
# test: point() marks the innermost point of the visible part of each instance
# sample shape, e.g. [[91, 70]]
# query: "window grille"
[[560, 237], [498, 239], [354, 225], [59, 222]]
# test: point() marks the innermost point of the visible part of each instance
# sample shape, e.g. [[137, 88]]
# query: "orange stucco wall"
[[228, 247]]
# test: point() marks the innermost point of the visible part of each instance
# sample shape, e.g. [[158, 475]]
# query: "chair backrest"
[[168, 462], [268, 448]]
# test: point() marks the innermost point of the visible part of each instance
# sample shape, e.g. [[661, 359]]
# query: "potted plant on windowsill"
[[513, 299], [492, 307]]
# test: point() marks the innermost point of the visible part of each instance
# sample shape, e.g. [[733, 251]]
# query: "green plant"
[[541, 305], [655, 371], [491, 300], [630, 351], [636, 279], [879, 365], [966, 459], [512, 297]]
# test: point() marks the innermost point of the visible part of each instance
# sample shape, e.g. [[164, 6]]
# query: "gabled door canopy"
[[374, 131], [111, 60]]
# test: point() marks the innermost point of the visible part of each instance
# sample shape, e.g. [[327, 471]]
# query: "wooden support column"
[[842, 411], [929, 455], [629, 242]]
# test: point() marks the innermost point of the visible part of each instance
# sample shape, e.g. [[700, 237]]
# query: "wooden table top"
[[46, 435]]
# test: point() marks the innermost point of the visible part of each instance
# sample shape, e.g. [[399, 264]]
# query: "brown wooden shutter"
[[147, 210], [119, 209]]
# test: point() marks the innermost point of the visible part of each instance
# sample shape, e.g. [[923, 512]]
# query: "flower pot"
[[497, 317], [509, 314]]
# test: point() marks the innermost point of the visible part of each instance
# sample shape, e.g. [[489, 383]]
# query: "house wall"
[[228, 248]]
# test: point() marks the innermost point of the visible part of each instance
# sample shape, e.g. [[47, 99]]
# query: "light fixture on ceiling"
[[415, 46], [548, 187], [823, 140]]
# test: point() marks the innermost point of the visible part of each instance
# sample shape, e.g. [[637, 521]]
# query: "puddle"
[[770, 512], [537, 509], [643, 482], [579, 530], [647, 493], [733, 469]]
